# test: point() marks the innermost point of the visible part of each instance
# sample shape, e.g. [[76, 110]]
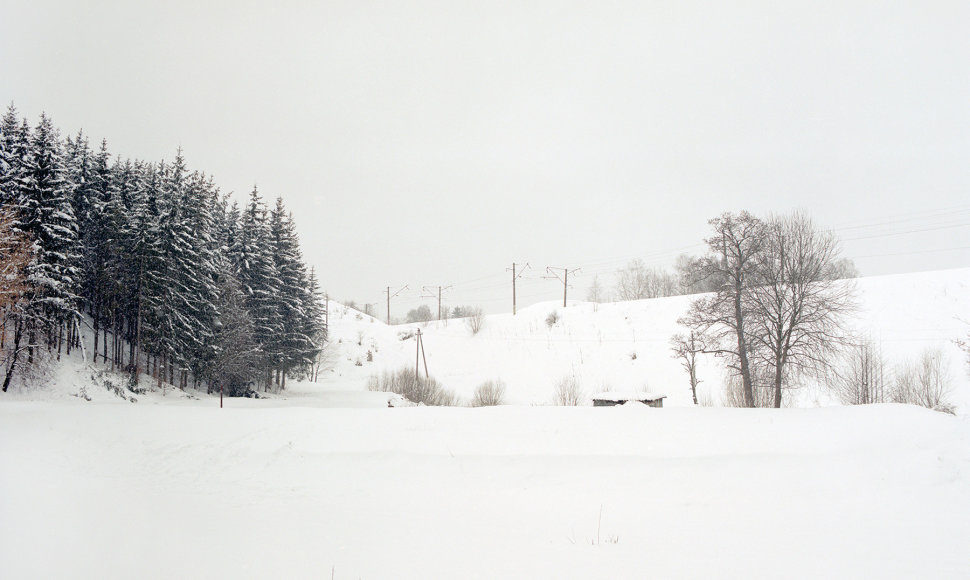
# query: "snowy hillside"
[[625, 346]]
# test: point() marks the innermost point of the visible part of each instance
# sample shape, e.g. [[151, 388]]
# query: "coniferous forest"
[[147, 268]]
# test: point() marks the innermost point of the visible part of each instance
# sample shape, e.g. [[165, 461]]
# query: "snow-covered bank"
[[95, 490], [625, 345]]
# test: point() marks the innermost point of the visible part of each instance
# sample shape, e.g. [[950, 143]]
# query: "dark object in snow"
[[612, 399]]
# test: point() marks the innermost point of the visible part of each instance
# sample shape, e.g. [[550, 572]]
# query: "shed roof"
[[628, 396]]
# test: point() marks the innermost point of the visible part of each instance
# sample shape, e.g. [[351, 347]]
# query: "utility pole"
[[514, 278], [389, 296], [418, 356], [432, 289], [564, 278]]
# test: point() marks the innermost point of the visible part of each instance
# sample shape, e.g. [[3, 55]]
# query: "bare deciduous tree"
[[797, 314], [686, 348], [692, 277], [15, 255], [595, 292], [843, 269], [724, 319], [861, 377], [420, 314], [636, 282]]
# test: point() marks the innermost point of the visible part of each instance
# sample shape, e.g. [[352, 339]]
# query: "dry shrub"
[[412, 387], [489, 393], [734, 393], [925, 382], [475, 320], [552, 319], [568, 392]]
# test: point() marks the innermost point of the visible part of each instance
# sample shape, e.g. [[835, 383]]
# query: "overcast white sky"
[[428, 143]]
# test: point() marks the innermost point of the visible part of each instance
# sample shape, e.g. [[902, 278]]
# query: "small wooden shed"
[[655, 400]]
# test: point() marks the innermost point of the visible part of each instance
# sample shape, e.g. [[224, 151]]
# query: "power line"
[[564, 278], [514, 278], [440, 290], [886, 235], [389, 296]]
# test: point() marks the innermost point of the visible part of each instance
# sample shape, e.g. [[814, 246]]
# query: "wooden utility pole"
[[431, 289], [564, 278], [389, 296], [516, 276], [418, 356]]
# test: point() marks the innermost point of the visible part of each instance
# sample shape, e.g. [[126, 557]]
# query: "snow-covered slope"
[[625, 346]]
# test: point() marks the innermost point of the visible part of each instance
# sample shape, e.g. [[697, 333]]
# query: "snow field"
[[99, 490]]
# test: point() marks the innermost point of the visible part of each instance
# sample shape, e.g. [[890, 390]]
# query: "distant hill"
[[625, 345]]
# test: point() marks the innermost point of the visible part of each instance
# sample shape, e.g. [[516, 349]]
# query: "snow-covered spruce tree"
[[260, 282], [158, 260], [13, 148], [47, 217], [153, 274], [122, 260], [315, 325], [295, 346], [195, 275], [93, 190], [184, 304]]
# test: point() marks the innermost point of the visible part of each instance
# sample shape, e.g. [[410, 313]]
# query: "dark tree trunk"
[[18, 334]]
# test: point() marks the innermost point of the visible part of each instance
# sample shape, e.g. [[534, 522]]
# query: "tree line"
[[162, 273], [637, 281]]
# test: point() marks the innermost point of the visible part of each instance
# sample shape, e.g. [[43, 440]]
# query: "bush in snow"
[[412, 387], [552, 319], [925, 382], [489, 393], [475, 319], [568, 392], [734, 391]]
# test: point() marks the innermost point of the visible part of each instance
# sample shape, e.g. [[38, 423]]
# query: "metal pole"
[[513, 288], [565, 286]]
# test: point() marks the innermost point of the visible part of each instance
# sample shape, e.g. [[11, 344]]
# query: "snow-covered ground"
[[325, 480], [115, 490]]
